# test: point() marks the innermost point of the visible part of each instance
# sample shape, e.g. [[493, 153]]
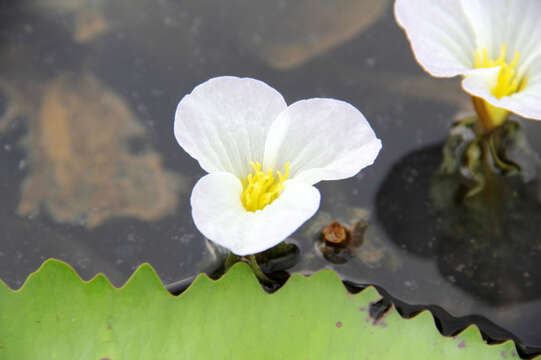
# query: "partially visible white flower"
[[494, 44], [263, 158]]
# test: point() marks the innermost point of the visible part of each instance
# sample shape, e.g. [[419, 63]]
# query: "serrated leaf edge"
[[234, 268]]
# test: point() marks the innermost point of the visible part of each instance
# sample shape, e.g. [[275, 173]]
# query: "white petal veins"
[[322, 139], [440, 34], [526, 103], [511, 22], [224, 121], [220, 216]]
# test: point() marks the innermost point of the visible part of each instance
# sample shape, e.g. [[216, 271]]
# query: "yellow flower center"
[[260, 188], [508, 82]]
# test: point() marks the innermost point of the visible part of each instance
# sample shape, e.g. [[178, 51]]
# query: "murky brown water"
[[92, 174]]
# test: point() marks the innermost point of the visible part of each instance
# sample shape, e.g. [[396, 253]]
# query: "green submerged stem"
[[496, 158], [258, 272], [492, 191], [231, 260]]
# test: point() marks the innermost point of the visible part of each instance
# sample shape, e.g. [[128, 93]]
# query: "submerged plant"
[[493, 44], [263, 158]]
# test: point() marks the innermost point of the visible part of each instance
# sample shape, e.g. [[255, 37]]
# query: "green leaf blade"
[[56, 315]]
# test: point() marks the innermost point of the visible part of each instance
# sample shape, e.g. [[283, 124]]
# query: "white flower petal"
[[223, 123], [511, 22], [478, 82], [526, 103], [219, 215], [322, 139], [441, 36]]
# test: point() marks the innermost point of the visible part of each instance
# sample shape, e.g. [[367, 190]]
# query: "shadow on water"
[[484, 248], [484, 245]]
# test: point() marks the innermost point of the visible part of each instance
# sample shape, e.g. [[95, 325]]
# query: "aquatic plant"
[[493, 44], [263, 158]]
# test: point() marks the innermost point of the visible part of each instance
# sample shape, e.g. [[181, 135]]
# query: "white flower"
[[494, 44], [263, 158]]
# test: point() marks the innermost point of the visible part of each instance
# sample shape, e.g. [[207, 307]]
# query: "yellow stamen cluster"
[[260, 188], [508, 82]]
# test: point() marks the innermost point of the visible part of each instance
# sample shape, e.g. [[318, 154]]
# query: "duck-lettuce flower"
[[263, 158], [494, 44]]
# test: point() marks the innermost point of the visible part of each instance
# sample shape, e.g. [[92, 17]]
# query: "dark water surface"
[[91, 173]]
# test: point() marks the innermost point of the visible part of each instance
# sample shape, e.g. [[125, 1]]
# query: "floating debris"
[[338, 243], [336, 235]]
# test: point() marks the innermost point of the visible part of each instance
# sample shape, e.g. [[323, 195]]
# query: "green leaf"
[[56, 315]]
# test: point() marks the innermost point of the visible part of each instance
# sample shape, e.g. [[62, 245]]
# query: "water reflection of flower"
[[493, 44], [241, 131]]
